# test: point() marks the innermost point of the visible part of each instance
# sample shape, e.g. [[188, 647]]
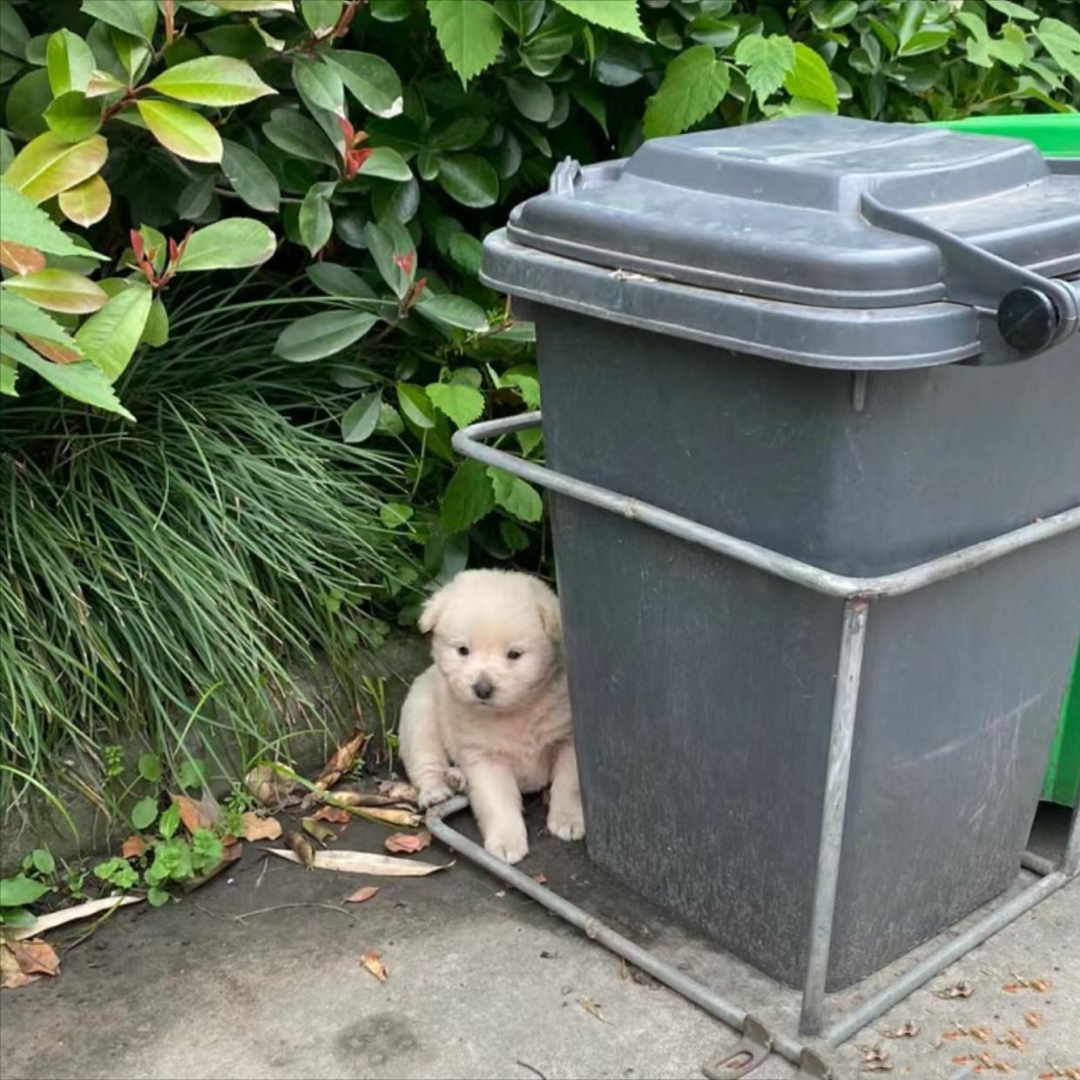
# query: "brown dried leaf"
[[11, 975], [260, 828], [366, 862], [301, 847], [333, 814], [20, 259], [872, 1054], [1041, 985], [408, 843], [58, 354], [1051, 1075], [592, 1008], [1013, 1039], [1003, 1066], [361, 896], [399, 791], [982, 1034], [134, 847], [382, 815], [962, 989], [366, 798], [195, 815], [905, 1031], [62, 917], [34, 957], [370, 962], [270, 784], [953, 1034], [323, 833], [342, 760], [1033, 1019], [1011, 988], [1072, 1074]]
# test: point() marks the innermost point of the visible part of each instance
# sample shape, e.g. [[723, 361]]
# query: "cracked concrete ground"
[[483, 983]]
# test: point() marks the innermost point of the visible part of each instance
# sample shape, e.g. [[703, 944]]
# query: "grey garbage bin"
[[853, 344]]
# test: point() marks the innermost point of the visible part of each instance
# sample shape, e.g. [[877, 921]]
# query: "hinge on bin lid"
[[1021, 313], [566, 177], [751, 1050]]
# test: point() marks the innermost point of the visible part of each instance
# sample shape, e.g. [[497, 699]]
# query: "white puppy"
[[493, 712]]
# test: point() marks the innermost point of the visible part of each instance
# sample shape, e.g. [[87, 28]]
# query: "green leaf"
[[228, 244], [387, 244], [532, 97], [454, 311], [693, 86], [192, 774], [193, 201], [110, 337], [21, 222], [254, 5], [320, 15], [392, 11], [469, 179], [150, 768], [1013, 11], [59, 290], [16, 917], [527, 386], [43, 861], [325, 334], [319, 86], [69, 62], [156, 896], [620, 15], [370, 79], [720, 33], [212, 80], [83, 381], [810, 78], [1062, 42], [137, 17], [184, 132], [144, 813], [361, 418], [299, 136], [929, 39], [20, 890], [156, 332], [27, 101], [250, 178], [829, 16], [170, 821], [466, 253], [977, 46], [14, 37], [9, 376], [387, 164], [132, 52], [48, 165], [21, 317], [468, 497], [315, 221], [470, 35], [416, 405], [336, 280], [462, 404], [394, 515], [206, 850], [73, 117], [461, 133], [86, 203], [768, 61], [516, 496]]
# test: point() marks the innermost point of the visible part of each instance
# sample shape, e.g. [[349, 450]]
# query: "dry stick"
[[283, 907], [535, 1072], [92, 931]]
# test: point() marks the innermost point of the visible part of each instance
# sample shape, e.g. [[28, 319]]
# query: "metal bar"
[[595, 930], [1037, 864], [1070, 863], [841, 737], [960, 945], [469, 442]]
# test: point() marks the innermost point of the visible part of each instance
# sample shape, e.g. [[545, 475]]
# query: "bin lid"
[[777, 211]]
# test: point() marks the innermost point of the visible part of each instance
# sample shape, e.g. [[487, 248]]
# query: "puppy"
[[492, 713]]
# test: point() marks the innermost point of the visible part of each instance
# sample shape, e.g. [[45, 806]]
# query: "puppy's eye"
[[463, 650], [514, 654]]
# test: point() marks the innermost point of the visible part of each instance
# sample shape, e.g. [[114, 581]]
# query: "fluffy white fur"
[[492, 713]]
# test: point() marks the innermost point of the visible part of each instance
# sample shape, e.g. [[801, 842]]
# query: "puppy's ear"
[[432, 610], [550, 617]]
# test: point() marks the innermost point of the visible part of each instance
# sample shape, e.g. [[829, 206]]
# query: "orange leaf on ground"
[[260, 828], [370, 962], [334, 814], [194, 815], [31, 959], [362, 895], [407, 843], [134, 847]]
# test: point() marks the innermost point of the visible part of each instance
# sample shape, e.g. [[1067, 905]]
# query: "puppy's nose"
[[483, 688]]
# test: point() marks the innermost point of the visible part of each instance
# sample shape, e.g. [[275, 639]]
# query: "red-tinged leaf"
[[408, 843], [194, 815], [361, 896], [347, 129], [51, 350], [371, 962], [20, 259], [405, 262], [138, 245], [333, 814], [134, 847]]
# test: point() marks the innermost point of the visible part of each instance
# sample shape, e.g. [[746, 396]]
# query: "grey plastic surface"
[[702, 689], [757, 237]]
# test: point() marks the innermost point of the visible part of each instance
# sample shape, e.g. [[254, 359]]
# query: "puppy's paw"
[[456, 779], [566, 821], [509, 844], [432, 795]]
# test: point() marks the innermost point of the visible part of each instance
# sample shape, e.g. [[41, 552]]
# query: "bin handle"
[[1030, 312]]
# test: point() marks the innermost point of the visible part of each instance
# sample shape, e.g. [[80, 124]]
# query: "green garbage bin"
[[1057, 135]]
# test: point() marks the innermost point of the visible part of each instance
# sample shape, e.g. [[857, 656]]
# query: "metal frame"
[[857, 594]]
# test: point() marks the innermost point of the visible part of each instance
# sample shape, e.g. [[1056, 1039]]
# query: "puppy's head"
[[496, 637]]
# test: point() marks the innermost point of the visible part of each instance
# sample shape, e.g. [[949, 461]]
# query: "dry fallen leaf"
[[197, 815], [383, 815], [1011, 988], [1013, 1039], [962, 989], [300, 846], [260, 828], [270, 784], [982, 1034], [399, 791], [905, 1031], [333, 814], [22, 962], [592, 1008], [134, 847], [370, 962], [60, 918], [365, 862], [362, 895], [871, 1054], [408, 843], [344, 797], [1033, 1019], [1041, 985], [342, 760], [321, 832], [1072, 1074]]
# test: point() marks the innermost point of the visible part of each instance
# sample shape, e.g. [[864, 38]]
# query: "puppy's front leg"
[[496, 802], [422, 750], [565, 818]]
